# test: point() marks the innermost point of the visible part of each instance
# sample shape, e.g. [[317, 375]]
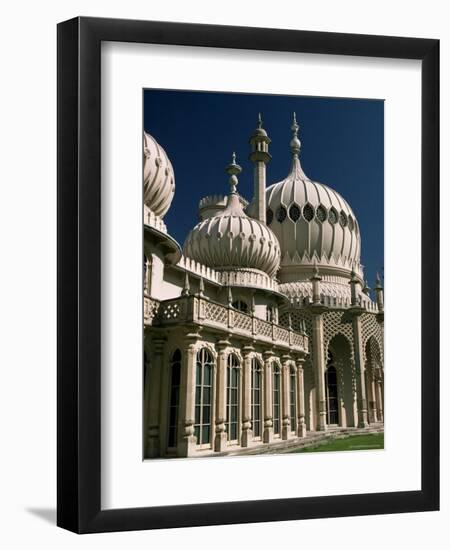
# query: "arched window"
[[331, 392], [233, 397], [240, 305], [276, 399], [174, 398], [256, 398], [293, 398], [203, 397]]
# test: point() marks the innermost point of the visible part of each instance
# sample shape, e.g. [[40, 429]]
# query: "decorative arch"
[[209, 346], [372, 328], [374, 379], [237, 353], [341, 383]]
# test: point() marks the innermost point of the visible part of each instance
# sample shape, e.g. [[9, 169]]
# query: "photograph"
[[263, 274]]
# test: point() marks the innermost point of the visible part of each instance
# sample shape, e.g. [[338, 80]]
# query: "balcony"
[[207, 313]]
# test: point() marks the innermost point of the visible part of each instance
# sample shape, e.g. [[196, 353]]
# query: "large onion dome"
[[159, 178], [231, 241], [313, 224]]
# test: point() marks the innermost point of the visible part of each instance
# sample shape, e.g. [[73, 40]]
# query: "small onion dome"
[[231, 240], [312, 223], [159, 178]]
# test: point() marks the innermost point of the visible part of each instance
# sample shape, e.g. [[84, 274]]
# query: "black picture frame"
[[79, 281]]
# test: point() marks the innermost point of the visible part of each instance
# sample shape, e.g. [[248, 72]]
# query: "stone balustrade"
[[207, 313]]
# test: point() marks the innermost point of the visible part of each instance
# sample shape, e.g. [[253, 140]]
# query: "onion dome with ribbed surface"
[[231, 240], [159, 178], [313, 223]]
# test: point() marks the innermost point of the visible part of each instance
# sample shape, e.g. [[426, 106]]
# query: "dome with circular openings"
[[159, 178], [313, 224], [231, 240]]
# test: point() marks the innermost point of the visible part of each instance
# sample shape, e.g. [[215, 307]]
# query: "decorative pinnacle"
[[259, 121], [353, 278], [378, 285], [366, 288], [316, 276], [295, 142], [233, 170], [186, 287]]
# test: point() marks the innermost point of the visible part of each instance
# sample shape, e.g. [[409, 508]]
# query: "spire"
[[378, 285], [233, 170], [379, 293], [366, 288], [259, 121], [296, 169], [295, 142]]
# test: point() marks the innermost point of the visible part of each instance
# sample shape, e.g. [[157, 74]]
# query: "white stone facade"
[[251, 338]]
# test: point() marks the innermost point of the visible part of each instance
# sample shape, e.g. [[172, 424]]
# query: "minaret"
[[260, 157]]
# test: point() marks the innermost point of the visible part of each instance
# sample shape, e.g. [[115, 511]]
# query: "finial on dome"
[[259, 121], [295, 142], [233, 170]]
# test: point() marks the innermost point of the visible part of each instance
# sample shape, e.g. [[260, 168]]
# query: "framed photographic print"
[[247, 275]]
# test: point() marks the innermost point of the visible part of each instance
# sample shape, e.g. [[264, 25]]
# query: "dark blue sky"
[[342, 147]]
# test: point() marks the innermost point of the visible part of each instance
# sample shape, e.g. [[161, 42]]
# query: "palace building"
[[261, 329]]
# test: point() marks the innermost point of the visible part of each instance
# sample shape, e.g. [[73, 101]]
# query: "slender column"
[[371, 394], [286, 426], [187, 441], [319, 369], [154, 373], [379, 389], [301, 425], [247, 433], [147, 276], [220, 441], [360, 373], [268, 407]]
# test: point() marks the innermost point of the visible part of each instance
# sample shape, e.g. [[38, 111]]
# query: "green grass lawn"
[[351, 443]]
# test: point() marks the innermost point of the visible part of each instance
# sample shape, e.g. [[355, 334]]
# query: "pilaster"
[[220, 440], [153, 404], [360, 371], [301, 424], [379, 399], [268, 408], [319, 369], [187, 441], [286, 424], [247, 433]]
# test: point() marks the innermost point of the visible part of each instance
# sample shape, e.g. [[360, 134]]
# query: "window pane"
[[207, 375], [205, 434]]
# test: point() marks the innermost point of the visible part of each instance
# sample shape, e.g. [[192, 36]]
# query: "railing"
[[337, 302], [205, 312]]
